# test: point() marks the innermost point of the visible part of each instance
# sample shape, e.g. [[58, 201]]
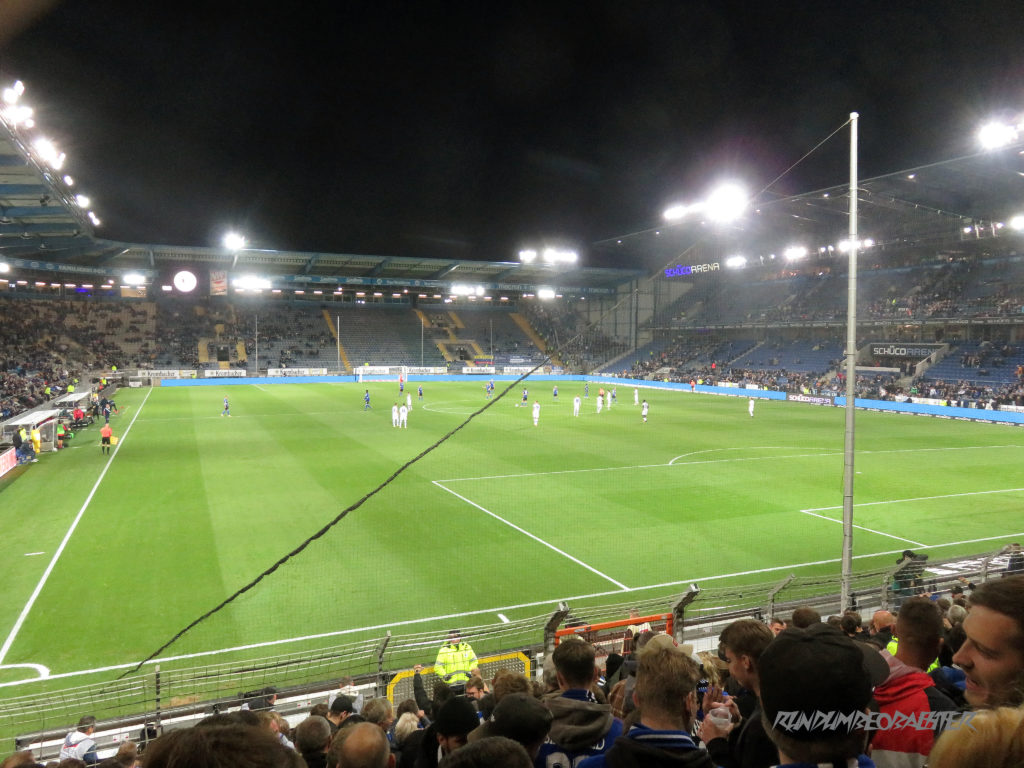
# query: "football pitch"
[[109, 556]]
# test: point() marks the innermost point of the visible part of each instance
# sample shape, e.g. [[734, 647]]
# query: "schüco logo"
[[679, 270], [894, 351]]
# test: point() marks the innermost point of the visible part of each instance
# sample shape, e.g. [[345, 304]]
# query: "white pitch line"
[[917, 498], [32, 554], [863, 528], [504, 618], [464, 614], [532, 536], [67, 537], [671, 462]]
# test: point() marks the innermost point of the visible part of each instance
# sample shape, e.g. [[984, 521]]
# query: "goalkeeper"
[[456, 662]]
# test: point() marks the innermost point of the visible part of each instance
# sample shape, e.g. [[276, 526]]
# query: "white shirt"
[[536, 410]]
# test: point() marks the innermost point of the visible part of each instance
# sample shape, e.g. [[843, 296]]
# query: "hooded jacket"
[[581, 727]]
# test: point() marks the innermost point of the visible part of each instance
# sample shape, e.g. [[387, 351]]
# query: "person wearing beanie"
[[449, 731]]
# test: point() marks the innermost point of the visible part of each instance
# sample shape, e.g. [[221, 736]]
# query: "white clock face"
[[185, 281]]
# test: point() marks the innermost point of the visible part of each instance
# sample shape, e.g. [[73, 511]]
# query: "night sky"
[[469, 130]]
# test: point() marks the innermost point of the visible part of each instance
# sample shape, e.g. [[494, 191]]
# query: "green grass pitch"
[[501, 517]]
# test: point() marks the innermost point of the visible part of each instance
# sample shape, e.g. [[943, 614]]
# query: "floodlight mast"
[[851, 378]]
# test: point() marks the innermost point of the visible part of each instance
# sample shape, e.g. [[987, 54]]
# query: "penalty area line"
[[539, 540], [67, 537]]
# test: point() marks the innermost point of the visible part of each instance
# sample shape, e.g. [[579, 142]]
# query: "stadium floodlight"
[[82, 201], [528, 256], [251, 283], [1017, 222], [995, 134], [14, 92], [675, 212], [4, 267], [49, 153], [94, 219], [69, 181], [844, 245], [557, 256], [459, 289], [134, 279], [736, 262], [795, 252], [234, 241], [545, 293], [724, 203]]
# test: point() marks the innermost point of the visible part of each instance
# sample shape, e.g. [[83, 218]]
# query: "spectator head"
[[804, 616], [956, 614], [492, 752], [19, 759], [406, 724], [320, 710], [342, 707], [522, 718], [851, 623], [574, 664], [919, 629], [817, 669], [992, 656], [363, 745], [313, 735], [881, 620], [379, 712], [475, 688], [506, 681], [240, 746], [87, 724], [776, 626], [455, 720], [741, 645], [666, 684], [995, 737]]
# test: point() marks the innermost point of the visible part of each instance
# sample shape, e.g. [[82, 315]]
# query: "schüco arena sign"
[[692, 269]]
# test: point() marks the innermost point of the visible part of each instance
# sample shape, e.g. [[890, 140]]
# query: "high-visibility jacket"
[[454, 662]]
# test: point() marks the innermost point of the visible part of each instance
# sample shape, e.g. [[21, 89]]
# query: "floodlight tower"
[[851, 377]]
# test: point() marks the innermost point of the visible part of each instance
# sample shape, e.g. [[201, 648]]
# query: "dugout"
[[45, 420], [74, 399]]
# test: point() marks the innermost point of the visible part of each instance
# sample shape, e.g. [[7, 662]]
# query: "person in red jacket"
[[909, 690]]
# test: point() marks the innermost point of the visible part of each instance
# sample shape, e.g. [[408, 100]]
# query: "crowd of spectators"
[[938, 681]]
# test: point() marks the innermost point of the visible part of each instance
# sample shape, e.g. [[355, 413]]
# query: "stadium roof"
[[946, 206], [44, 226]]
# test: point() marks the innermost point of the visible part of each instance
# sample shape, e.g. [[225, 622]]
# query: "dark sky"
[[468, 130]]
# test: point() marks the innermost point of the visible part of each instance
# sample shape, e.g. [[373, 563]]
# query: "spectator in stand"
[[666, 697], [341, 708], [582, 726], [882, 625], [992, 656], [79, 744], [234, 744], [449, 732], [741, 643], [379, 712], [909, 689], [804, 616], [312, 740], [493, 752], [19, 759], [818, 670], [993, 738], [362, 745]]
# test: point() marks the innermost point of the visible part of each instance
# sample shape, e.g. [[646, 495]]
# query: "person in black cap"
[[455, 719], [815, 685]]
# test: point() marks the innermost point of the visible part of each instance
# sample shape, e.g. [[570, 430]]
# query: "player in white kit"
[[403, 417], [536, 412], [576, 406], [750, 407], [643, 411], [394, 415], [636, 396]]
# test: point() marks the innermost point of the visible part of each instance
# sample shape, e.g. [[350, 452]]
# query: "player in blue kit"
[[225, 412], [366, 401]]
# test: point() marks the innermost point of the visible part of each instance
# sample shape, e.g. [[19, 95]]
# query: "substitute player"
[[576, 405], [536, 412]]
